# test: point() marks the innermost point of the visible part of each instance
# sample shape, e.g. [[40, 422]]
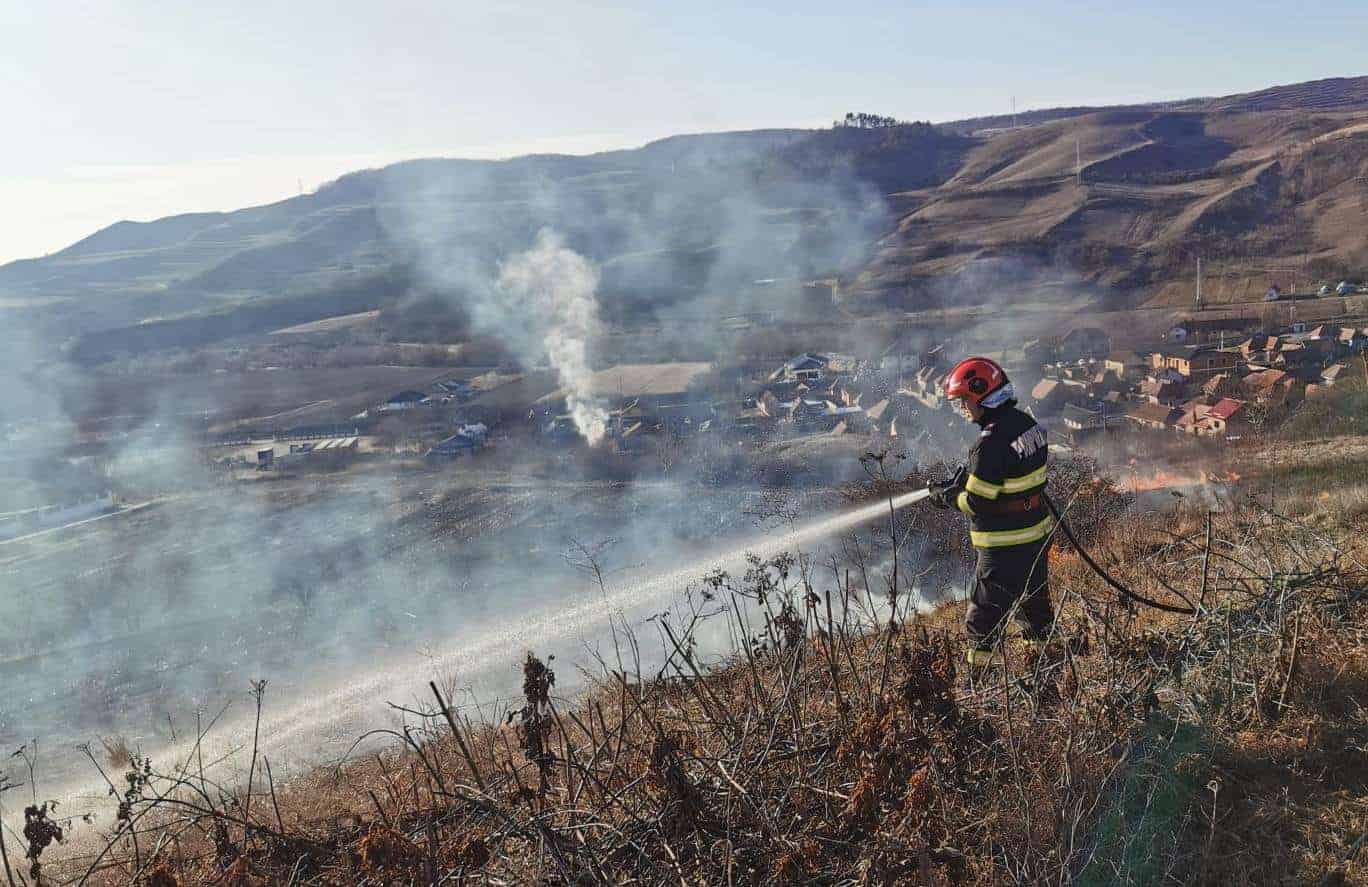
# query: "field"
[[330, 324], [265, 394]]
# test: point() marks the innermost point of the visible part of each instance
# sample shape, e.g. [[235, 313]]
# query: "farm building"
[[404, 400], [333, 452], [469, 440]]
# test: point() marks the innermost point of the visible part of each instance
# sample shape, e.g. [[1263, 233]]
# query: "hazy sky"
[[138, 109]]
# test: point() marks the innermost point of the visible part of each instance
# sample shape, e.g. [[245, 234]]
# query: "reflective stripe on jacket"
[[1004, 492]]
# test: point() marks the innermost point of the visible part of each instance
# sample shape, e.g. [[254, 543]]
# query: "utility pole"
[[1014, 116], [1078, 160], [1199, 282]]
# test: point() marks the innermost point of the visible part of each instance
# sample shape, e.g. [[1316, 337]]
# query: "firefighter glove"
[[943, 494]]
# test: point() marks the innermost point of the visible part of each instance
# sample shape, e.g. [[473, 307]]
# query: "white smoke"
[[553, 288]]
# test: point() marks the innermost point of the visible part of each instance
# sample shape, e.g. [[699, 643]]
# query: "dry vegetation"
[[1145, 748]]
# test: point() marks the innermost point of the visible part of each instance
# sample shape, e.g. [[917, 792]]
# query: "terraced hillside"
[[1265, 190]]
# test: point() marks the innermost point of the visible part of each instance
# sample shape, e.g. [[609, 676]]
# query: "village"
[[1205, 378], [1209, 378]]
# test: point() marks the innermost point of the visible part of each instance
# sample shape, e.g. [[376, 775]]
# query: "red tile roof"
[[1225, 408]]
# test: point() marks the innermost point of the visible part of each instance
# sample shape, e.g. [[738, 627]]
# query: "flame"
[[1162, 480]]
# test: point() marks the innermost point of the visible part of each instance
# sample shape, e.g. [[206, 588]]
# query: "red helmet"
[[974, 378]]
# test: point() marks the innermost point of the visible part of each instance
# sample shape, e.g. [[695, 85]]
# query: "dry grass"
[[1145, 748]]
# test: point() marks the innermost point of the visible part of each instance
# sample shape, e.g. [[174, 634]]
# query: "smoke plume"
[[552, 288]]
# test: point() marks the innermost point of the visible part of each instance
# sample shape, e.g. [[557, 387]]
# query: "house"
[[1259, 344], [404, 400], [1274, 389], [805, 367], [1191, 420], [1218, 383], [1124, 364], [933, 357], [465, 442], [1257, 383], [1100, 382], [810, 413], [1164, 391], [1333, 373], [847, 418], [747, 420], [1351, 339], [1312, 342], [1197, 361], [1051, 395], [1154, 416], [1221, 416], [926, 387], [1209, 329], [1081, 419]]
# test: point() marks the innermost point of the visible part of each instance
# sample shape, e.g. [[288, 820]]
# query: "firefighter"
[[1002, 490]]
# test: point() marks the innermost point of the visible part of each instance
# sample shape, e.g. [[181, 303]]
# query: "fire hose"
[[1092, 564], [1103, 574]]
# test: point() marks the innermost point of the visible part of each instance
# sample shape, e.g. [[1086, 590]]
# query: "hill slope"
[[676, 220], [1266, 187], [1113, 203]]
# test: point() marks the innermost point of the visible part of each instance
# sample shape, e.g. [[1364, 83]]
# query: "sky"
[[140, 109]]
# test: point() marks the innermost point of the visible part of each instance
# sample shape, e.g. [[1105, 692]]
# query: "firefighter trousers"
[[1014, 576]]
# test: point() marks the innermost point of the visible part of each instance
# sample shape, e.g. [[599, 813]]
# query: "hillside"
[[1266, 187], [674, 226], [1221, 747], [1114, 204]]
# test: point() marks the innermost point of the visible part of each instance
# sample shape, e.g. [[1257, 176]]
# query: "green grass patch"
[[1138, 838]]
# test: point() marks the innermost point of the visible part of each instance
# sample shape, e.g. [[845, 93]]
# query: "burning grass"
[[1143, 748]]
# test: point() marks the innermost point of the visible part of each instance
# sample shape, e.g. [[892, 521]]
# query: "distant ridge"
[[1329, 94]]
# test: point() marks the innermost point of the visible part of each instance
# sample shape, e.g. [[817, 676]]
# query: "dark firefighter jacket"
[[1004, 492]]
